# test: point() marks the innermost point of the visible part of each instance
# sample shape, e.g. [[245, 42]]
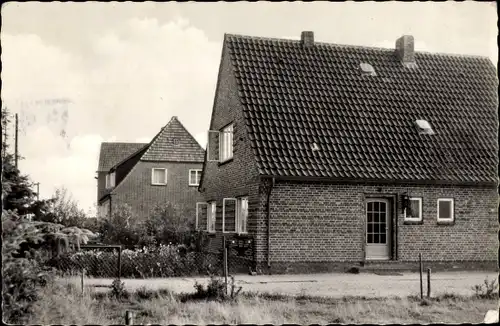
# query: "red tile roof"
[[362, 125]]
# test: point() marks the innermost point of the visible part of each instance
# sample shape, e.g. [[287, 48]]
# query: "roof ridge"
[[276, 39]]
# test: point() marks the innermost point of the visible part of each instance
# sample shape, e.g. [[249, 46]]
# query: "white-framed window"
[[211, 215], [159, 176], [194, 177], [241, 214], [414, 211], [226, 143], [229, 215], [445, 210], [201, 215], [235, 214], [110, 180]]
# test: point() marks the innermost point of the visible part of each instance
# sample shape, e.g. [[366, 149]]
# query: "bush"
[[216, 289], [487, 290], [118, 290], [157, 261], [21, 281]]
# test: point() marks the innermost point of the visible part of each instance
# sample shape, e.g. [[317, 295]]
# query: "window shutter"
[[201, 215], [234, 138], [213, 146], [212, 217], [229, 215], [242, 215]]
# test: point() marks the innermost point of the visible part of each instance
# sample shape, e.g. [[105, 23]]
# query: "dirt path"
[[332, 284]]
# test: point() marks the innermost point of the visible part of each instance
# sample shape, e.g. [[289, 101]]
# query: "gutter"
[[269, 223]]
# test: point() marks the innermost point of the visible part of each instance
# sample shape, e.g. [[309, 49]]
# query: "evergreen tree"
[[21, 270]]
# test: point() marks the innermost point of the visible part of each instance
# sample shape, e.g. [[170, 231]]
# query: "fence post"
[[119, 262], [129, 317], [83, 275], [421, 272], [428, 282], [224, 262]]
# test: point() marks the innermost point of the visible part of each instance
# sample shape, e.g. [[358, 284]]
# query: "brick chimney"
[[405, 50], [307, 38]]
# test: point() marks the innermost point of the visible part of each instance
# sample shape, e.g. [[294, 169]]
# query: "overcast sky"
[[79, 74]]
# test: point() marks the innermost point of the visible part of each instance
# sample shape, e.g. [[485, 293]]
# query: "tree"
[[63, 209], [22, 270], [168, 224], [122, 228]]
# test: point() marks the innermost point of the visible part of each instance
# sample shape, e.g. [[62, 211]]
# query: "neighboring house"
[[332, 154], [167, 170]]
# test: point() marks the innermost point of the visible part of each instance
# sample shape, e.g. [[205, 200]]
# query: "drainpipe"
[[110, 209], [269, 224]]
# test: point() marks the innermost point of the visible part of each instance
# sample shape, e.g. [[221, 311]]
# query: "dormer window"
[[424, 127], [367, 69], [110, 180]]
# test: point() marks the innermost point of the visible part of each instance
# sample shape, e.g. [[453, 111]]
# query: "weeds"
[[487, 290], [118, 290], [66, 305], [216, 290]]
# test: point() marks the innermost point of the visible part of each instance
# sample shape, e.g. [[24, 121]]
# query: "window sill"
[[194, 185], [450, 222], [413, 222], [226, 161], [243, 235], [158, 184]]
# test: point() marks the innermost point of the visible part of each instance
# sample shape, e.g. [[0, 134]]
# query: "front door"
[[378, 219]]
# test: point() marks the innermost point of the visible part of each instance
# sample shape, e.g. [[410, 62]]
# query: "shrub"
[[216, 289], [23, 271], [487, 290], [118, 290], [152, 261]]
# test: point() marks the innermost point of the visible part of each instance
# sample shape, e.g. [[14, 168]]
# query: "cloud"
[[140, 74]]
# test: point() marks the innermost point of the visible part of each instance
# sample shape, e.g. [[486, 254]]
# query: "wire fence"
[[102, 261], [112, 261]]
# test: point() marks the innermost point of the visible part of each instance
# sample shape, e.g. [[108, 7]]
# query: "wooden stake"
[[83, 275], [421, 272], [129, 317], [224, 263], [428, 282]]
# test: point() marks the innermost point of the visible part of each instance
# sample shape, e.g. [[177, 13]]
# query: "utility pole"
[[37, 190], [15, 148]]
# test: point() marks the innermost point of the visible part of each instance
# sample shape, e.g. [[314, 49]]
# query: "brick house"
[[328, 155], [166, 170]]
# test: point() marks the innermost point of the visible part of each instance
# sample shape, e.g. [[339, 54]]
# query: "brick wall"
[[239, 176], [137, 191], [325, 223]]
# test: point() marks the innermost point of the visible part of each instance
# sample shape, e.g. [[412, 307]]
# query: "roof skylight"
[[315, 147], [424, 127], [367, 69]]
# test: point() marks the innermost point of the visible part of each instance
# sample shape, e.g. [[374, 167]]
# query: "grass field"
[[67, 305]]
